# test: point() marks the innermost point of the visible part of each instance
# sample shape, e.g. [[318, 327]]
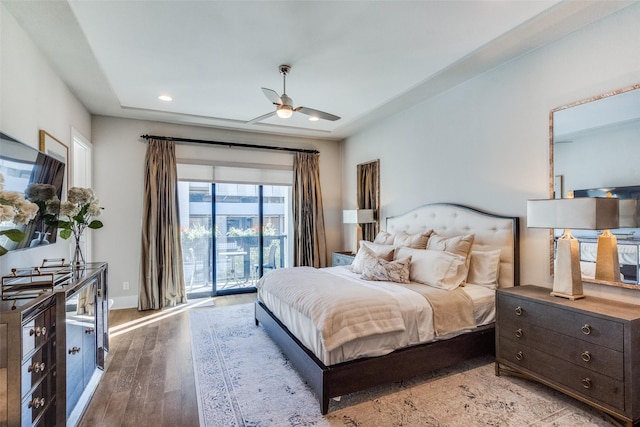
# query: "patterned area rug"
[[242, 379]]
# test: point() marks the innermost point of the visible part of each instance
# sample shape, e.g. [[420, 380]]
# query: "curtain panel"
[[161, 274], [368, 195], [309, 243]]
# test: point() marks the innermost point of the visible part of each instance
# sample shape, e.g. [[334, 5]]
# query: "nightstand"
[[342, 258], [587, 348]]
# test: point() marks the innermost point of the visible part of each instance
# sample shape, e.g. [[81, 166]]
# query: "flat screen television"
[[22, 165]]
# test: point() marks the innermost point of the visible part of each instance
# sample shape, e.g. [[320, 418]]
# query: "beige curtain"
[[368, 195], [161, 277], [309, 244]]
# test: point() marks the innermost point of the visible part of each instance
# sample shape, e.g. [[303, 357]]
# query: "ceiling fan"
[[284, 104]]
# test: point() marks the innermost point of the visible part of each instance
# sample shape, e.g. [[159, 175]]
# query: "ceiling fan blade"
[[317, 113], [264, 116], [272, 96]]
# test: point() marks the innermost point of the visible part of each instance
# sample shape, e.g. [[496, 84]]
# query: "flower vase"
[[77, 256]]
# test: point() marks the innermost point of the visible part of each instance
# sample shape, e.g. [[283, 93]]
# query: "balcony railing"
[[237, 261]]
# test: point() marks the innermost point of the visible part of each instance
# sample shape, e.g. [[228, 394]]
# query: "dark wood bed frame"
[[343, 378]]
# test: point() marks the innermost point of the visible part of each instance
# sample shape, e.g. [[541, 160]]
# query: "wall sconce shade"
[[358, 216]]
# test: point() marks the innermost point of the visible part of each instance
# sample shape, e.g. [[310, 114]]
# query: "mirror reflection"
[[594, 146], [24, 167]]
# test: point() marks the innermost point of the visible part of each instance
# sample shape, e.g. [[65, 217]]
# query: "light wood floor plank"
[[148, 379]]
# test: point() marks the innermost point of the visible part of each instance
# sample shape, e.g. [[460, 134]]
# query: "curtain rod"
[[230, 144]]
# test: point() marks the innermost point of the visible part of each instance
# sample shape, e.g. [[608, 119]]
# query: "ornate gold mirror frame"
[[598, 108]]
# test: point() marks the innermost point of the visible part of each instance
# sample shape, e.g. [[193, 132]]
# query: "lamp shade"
[[586, 213], [629, 213], [358, 216]]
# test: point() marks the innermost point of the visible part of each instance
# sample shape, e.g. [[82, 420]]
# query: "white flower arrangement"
[[14, 208]]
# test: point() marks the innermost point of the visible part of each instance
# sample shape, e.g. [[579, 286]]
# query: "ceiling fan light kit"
[[284, 104]]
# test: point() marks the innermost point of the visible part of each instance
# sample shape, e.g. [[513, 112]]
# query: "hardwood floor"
[[148, 378]]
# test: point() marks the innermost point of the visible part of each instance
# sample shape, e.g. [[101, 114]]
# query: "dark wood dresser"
[[588, 348]]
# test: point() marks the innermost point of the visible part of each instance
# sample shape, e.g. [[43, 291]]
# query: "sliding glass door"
[[231, 234]]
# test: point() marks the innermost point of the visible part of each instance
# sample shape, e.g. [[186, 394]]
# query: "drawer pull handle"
[[586, 382], [586, 356], [518, 311], [519, 333], [586, 329], [74, 350], [89, 330], [519, 355], [37, 402], [38, 331], [36, 368]]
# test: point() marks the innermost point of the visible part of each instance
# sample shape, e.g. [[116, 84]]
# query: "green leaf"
[[3, 250], [95, 224], [65, 233], [13, 234]]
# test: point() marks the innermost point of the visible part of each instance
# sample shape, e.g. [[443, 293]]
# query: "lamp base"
[[567, 296], [567, 281]]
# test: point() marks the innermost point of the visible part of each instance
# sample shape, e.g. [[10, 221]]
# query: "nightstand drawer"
[[579, 380], [341, 258], [578, 352], [582, 326]]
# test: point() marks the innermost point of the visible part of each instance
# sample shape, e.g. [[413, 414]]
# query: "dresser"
[[52, 350], [341, 258], [588, 348]]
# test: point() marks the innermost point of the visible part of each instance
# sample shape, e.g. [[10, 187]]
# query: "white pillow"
[[484, 268], [439, 269], [384, 238], [371, 249], [459, 245], [417, 241]]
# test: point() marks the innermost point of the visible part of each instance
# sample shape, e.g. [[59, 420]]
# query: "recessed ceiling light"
[[166, 98], [313, 119]]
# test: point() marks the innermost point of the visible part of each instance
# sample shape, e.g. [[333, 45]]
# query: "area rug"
[[242, 379]]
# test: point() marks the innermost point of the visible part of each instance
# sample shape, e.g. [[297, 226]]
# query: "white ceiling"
[[360, 60]]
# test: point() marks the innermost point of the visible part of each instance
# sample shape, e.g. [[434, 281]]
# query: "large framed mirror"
[[594, 150]]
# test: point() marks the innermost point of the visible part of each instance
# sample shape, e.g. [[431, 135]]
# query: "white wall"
[[119, 158], [485, 143], [32, 97]]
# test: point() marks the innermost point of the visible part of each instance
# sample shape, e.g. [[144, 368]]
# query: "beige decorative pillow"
[[484, 268], [417, 241], [384, 238], [459, 245], [368, 249], [387, 271], [439, 269]]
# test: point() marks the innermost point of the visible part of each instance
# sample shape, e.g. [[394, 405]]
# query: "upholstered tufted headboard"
[[491, 232]]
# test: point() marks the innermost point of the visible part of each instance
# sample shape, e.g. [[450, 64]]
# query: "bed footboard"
[[361, 374]]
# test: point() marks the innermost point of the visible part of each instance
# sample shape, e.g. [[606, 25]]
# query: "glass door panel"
[[247, 238], [196, 225], [236, 243]]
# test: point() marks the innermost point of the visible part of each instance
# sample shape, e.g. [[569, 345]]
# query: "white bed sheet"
[[417, 314]]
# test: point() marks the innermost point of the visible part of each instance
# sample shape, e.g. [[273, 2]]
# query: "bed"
[[391, 355]]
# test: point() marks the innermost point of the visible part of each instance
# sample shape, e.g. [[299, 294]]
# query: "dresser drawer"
[[576, 324], [35, 404], [585, 382], [35, 368], [35, 332], [582, 353]]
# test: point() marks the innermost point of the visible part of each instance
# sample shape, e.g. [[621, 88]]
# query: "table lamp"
[[587, 213], [358, 216]]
